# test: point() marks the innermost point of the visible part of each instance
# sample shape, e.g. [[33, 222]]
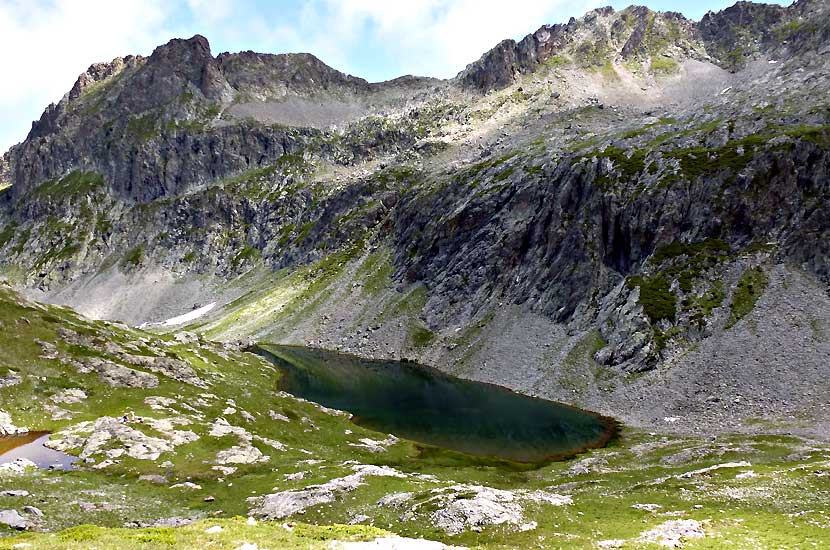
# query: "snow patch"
[[181, 319]]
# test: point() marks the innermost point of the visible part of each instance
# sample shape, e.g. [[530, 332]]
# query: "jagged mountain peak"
[[656, 40], [591, 41], [277, 75], [98, 72], [175, 68]]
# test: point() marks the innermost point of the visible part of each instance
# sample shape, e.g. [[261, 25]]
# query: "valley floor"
[[215, 442], [645, 491]]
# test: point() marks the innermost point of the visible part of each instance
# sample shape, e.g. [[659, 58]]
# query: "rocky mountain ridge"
[[182, 88], [621, 188]]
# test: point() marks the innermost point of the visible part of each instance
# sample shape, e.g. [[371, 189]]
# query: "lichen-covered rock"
[[13, 519], [69, 396], [287, 503], [462, 507], [113, 438], [674, 533], [172, 368], [16, 467], [7, 427], [240, 454], [117, 375]]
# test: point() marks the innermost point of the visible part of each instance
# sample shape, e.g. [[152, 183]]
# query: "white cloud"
[[425, 37], [46, 44], [439, 37]]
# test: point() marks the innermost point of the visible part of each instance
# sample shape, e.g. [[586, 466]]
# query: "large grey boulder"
[[13, 519]]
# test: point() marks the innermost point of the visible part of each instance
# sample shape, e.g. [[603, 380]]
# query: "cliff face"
[[626, 173]]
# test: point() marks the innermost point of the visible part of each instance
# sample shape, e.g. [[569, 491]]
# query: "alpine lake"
[[422, 404]]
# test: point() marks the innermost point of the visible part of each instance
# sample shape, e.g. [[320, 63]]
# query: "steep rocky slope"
[[590, 214]]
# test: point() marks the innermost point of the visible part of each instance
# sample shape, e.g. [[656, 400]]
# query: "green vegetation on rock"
[[219, 534], [656, 297], [664, 66], [133, 257], [75, 183], [750, 288]]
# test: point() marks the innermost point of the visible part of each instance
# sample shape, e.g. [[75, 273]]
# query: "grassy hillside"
[[225, 410]]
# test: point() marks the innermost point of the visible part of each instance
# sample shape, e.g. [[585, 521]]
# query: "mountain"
[[626, 213], [628, 192]]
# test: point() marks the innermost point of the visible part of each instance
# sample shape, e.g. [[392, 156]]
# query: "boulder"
[[7, 427], [17, 466], [14, 520]]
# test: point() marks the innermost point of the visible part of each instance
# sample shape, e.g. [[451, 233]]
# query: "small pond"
[[31, 446], [424, 405]]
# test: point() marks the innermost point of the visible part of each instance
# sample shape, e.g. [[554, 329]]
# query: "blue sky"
[[47, 43]]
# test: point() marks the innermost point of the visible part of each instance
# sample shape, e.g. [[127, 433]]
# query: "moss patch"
[[750, 288], [133, 257], [656, 297], [664, 66], [75, 183]]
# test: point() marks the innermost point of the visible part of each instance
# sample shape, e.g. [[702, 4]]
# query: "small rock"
[[360, 518], [241, 454], [187, 485], [646, 507], [33, 511], [7, 427], [69, 396], [213, 530], [14, 493]]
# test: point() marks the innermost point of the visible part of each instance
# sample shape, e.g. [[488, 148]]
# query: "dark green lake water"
[[425, 405]]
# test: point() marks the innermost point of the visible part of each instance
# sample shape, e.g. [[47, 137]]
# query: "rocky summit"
[[626, 213]]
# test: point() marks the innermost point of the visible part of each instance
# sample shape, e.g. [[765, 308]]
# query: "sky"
[[46, 44]]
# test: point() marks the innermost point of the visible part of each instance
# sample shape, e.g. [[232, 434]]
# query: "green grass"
[[421, 336], [656, 297], [750, 288], [784, 505], [376, 271], [608, 72], [703, 306], [246, 257], [75, 183], [133, 257], [144, 127], [8, 233], [687, 263], [676, 249], [579, 369], [557, 61], [664, 66], [235, 532]]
